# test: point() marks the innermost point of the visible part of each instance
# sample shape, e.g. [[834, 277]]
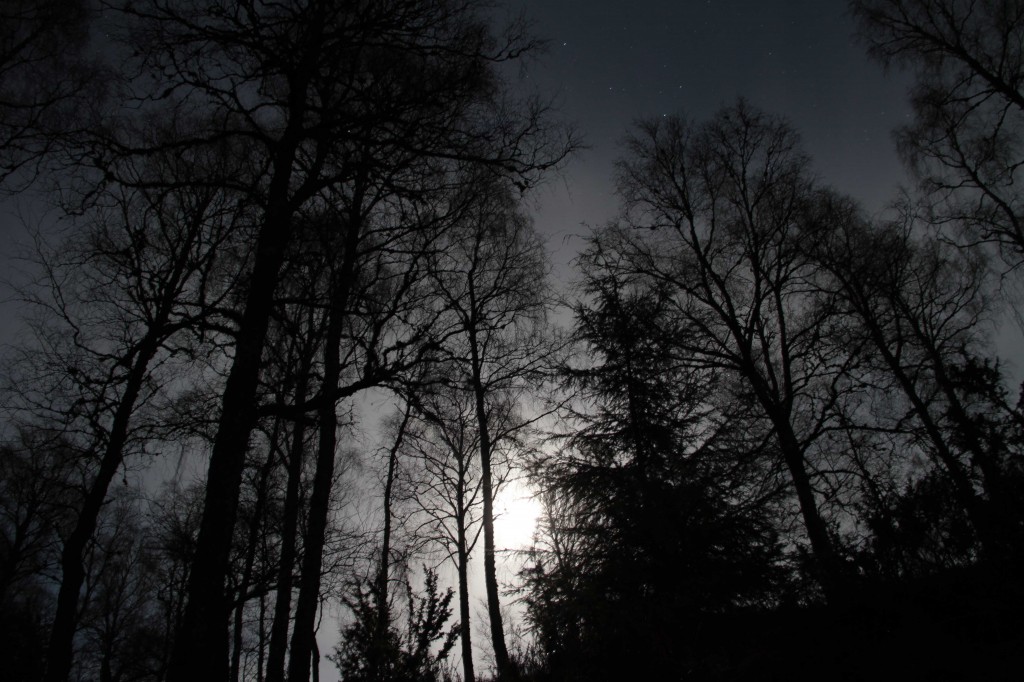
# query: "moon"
[[518, 513]]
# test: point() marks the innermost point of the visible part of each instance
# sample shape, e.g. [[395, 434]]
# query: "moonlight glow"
[[518, 514]]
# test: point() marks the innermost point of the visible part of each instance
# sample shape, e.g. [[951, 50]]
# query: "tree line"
[[776, 441]]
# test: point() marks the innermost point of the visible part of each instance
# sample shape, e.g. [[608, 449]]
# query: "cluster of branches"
[[271, 210], [785, 421], [789, 433]]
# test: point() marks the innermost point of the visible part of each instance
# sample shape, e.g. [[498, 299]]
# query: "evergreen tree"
[[657, 525], [415, 654]]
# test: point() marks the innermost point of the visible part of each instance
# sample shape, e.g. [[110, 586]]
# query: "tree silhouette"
[[965, 140], [924, 306], [727, 207], [406, 654], [447, 483], [323, 93], [654, 519], [47, 85], [116, 302], [490, 278]]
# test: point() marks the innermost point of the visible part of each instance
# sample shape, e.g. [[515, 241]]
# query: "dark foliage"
[[647, 540], [787, 448], [415, 653], [669, 549]]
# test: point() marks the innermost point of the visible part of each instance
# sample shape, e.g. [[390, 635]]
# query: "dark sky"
[[612, 62]]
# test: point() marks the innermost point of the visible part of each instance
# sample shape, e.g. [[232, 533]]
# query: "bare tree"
[[927, 310], [965, 140], [447, 483], [40, 492], [46, 82], [115, 304], [716, 214], [396, 429], [492, 279], [121, 634], [315, 89], [301, 338], [377, 326]]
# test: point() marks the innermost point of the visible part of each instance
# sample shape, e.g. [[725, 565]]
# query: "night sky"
[[609, 63]]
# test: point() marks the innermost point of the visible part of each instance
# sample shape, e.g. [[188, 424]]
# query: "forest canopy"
[[289, 336]]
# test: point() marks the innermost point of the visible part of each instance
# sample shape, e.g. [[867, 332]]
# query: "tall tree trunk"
[[62, 633], [263, 638], [384, 570], [236, 640], [289, 533], [776, 404], [303, 635], [827, 566], [465, 632], [501, 658], [201, 646], [963, 488], [316, 661], [250, 559]]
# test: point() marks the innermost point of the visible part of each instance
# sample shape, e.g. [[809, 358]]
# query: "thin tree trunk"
[[465, 632], [201, 647], [303, 635], [62, 633], [236, 640], [319, 505], [828, 569], [963, 488], [383, 571], [316, 661], [283, 598], [250, 561], [501, 658], [263, 638]]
